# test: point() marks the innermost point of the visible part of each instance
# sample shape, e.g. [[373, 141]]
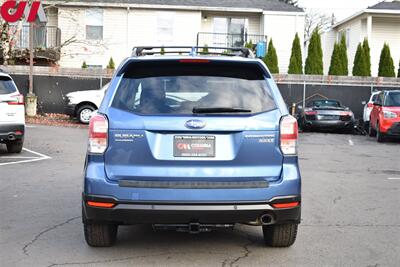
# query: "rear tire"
[[280, 235], [15, 146], [100, 235], [371, 131]]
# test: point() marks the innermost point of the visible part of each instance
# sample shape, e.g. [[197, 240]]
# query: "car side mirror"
[[363, 102]]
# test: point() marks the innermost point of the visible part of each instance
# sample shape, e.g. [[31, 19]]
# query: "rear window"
[[392, 99], [325, 103], [184, 88], [6, 86]]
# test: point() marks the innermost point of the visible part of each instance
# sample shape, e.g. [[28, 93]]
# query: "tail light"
[[310, 112], [98, 134], [346, 113], [19, 100], [289, 135]]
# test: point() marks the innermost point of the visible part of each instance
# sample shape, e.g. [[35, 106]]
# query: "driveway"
[[351, 215]]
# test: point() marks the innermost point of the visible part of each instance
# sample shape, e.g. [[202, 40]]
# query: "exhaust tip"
[[266, 219], [11, 137]]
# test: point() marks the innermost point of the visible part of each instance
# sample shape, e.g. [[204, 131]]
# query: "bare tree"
[[316, 19]]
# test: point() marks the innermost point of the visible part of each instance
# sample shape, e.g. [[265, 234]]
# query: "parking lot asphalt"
[[351, 215]]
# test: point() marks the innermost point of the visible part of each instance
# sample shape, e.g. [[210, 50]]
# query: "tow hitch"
[[191, 228]]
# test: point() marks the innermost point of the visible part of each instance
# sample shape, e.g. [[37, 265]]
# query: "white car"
[[12, 115], [368, 107], [81, 104]]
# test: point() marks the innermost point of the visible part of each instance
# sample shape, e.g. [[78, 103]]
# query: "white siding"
[[282, 29], [122, 30], [385, 30]]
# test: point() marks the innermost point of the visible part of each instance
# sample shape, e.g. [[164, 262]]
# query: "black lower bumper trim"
[[10, 129], [153, 213]]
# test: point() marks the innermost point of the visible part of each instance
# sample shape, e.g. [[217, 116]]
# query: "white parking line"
[[27, 159], [351, 142], [394, 178]]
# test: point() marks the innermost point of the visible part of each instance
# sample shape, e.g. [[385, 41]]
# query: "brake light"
[[311, 112], [98, 134], [289, 135], [19, 100], [194, 61], [285, 205]]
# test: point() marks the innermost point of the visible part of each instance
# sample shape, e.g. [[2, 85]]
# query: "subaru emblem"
[[195, 124]]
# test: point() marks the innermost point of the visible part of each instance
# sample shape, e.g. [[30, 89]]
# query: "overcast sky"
[[341, 8]]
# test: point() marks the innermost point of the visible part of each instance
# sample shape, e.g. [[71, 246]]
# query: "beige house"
[[379, 23], [100, 29]]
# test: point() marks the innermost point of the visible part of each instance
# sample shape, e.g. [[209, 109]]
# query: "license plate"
[[329, 117], [194, 146]]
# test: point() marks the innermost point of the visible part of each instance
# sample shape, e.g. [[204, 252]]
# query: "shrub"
[[271, 58], [111, 64], [249, 45], [162, 51], [296, 59], [314, 63], [84, 65], [204, 51], [386, 66]]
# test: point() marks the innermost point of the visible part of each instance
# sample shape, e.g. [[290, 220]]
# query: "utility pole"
[[31, 98]]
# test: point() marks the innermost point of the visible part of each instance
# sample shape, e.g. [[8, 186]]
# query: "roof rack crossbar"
[[192, 50]]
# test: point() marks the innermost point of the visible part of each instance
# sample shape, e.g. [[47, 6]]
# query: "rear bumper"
[[69, 109], [334, 124], [204, 213], [11, 132]]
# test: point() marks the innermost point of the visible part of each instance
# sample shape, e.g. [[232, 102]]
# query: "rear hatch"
[[200, 121], [9, 112]]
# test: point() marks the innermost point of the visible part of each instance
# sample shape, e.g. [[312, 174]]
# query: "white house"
[[379, 24], [100, 29]]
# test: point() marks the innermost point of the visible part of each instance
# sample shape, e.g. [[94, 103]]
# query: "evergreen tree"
[[386, 65], [111, 64], [296, 59], [84, 65], [344, 61], [336, 67], [271, 58], [314, 64], [367, 54], [360, 67]]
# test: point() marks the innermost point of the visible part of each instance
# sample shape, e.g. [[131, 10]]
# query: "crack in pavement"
[[109, 260], [36, 237], [246, 253]]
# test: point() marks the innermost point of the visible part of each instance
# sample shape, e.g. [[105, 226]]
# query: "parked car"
[[385, 116], [326, 114], [81, 104], [12, 114], [368, 107], [225, 153]]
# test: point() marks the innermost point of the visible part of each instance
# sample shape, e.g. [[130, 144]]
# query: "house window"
[[94, 24], [346, 33], [165, 26]]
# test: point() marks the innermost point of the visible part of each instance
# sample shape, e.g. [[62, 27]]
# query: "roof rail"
[[192, 51]]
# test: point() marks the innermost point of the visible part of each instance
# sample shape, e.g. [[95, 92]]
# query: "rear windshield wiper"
[[197, 110]]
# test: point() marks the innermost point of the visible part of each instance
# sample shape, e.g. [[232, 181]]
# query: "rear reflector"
[[285, 205], [98, 134], [100, 204], [289, 134]]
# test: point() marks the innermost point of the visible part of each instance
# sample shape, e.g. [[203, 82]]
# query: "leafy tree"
[[111, 64], [360, 67], [367, 54], [314, 64], [296, 59], [344, 61], [271, 58], [386, 65], [84, 65]]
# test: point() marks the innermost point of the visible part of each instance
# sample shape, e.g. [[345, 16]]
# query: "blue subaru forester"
[[192, 141]]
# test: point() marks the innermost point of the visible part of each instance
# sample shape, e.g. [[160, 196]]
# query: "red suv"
[[385, 115]]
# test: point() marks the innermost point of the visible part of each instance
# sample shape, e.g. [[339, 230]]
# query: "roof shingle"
[[395, 5], [268, 5]]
